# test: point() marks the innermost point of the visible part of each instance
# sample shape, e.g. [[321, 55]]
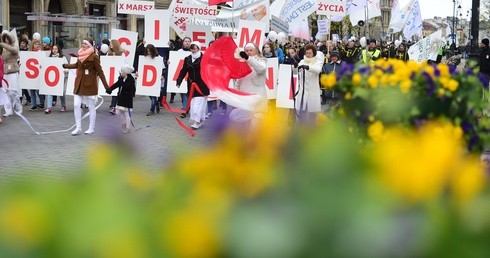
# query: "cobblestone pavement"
[[155, 139]]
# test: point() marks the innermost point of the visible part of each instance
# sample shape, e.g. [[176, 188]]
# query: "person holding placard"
[[35, 47], [192, 68], [151, 52], [86, 86], [115, 49], [56, 53], [253, 83]]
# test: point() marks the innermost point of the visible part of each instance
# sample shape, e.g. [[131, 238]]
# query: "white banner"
[[157, 31], [52, 79], [111, 65], [176, 61], [427, 48], [279, 25], [227, 18], [373, 10], [271, 79], [323, 29], [330, 7], [200, 33], [399, 14], [300, 29], [251, 31], [134, 7], [149, 76], [414, 22], [72, 75], [285, 95], [297, 10], [128, 41], [30, 69]]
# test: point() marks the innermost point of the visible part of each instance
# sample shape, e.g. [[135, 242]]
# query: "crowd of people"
[[309, 59]]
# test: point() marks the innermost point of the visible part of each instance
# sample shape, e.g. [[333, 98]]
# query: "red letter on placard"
[[157, 29], [177, 71], [245, 37], [112, 72], [270, 78], [201, 37], [295, 87], [127, 42], [54, 82], [34, 70], [146, 70]]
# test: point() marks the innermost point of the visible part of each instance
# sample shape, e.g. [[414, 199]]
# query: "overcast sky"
[[442, 8]]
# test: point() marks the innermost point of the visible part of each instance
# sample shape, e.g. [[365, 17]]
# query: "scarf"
[[196, 55], [310, 61], [268, 54], [83, 54]]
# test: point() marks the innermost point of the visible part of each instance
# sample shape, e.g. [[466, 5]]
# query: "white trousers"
[[77, 111], [125, 118], [198, 109]]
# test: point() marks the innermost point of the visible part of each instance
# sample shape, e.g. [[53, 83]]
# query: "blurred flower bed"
[[408, 94], [322, 192], [377, 185]]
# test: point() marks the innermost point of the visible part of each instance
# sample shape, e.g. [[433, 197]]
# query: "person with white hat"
[[127, 89], [195, 85], [10, 56]]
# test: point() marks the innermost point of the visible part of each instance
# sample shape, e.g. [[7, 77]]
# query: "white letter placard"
[[176, 62], [128, 41], [149, 76], [52, 79], [285, 93], [111, 65], [157, 30], [30, 71]]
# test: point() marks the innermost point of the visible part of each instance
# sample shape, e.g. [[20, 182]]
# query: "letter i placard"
[[157, 30]]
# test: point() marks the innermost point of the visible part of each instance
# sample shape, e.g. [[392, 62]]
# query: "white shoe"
[[196, 126], [209, 115], [90, 131], [77, 131], [6, 115]]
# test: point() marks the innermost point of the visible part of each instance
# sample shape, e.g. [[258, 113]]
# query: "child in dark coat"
[[127, 89]]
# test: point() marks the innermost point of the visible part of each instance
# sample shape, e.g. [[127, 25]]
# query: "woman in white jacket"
[[253, 83], [307, 99]]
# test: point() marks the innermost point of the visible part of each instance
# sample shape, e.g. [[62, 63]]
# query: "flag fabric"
[[216, 2], [297, 10], [353, 6], [413, 26], [373, 10], [300, 29], [399, 14]]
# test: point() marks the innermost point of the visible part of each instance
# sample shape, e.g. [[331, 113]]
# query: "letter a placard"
[[251, 31], [156, 28]]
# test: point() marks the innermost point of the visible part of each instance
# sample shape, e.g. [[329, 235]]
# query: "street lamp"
[[453, 36]]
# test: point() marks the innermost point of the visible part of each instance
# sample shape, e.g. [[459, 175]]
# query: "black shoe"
[[324, 102], [150, 113], [183, 115], [171, 101], [40, 105]]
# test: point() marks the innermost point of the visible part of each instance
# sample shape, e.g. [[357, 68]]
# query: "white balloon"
[[281, 37], [363, 42], [36, 36], [104, 48], [272, 36]]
